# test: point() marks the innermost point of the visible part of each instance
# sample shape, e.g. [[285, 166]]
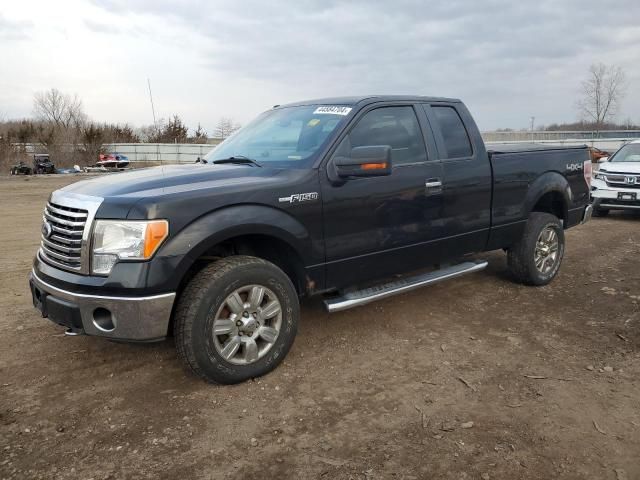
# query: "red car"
[[113, 160]]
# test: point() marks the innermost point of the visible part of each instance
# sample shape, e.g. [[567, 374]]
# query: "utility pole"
[[533, 121], [153, 110]]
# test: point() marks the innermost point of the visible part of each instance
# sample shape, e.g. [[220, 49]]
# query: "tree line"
[[64, 130], [61, 128], [579, 126]]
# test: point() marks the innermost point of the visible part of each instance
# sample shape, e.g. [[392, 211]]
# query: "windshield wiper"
[[239, 160]]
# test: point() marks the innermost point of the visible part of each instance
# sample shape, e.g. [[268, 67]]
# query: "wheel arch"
[[254, 230], [550, 193]]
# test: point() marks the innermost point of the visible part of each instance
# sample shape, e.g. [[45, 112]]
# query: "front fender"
[[176, 256]]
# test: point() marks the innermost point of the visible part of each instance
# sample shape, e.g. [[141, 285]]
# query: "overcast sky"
[[508, 60]]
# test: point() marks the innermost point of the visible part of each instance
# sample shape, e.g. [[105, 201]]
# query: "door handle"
[[433, 183]]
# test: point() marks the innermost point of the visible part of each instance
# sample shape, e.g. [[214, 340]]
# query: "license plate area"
[[629, 196]]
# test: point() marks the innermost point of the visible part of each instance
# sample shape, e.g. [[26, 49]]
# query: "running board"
[[371, 294]]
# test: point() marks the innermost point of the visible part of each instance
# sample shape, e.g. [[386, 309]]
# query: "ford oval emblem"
[[46, 229]]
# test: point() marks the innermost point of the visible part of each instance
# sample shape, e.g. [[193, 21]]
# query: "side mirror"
[[603, 159], [368, 161]]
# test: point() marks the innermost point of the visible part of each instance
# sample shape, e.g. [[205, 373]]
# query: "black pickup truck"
[[355, 199]]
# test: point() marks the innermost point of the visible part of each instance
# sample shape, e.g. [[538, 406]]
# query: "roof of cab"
[[366, 99]]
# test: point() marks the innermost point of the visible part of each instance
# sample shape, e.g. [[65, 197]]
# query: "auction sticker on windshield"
[[332, 110]]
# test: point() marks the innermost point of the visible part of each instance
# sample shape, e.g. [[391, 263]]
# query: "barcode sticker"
[[332, 110]]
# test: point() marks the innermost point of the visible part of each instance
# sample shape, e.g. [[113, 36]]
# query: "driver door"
[[378, 226]]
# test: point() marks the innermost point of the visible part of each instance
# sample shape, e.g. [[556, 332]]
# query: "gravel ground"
[[475, 378]]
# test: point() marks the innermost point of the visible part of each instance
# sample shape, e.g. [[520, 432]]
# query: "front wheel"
[[236, 319], [535, 259]]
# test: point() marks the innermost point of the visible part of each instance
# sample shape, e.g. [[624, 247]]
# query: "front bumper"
[[137, 319], [614, 198]]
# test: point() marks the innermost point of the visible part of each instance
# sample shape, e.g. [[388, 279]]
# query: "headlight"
[[114, 240], [601, 176]]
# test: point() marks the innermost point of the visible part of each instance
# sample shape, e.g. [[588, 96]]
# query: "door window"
[[394, 126], [456, 139]]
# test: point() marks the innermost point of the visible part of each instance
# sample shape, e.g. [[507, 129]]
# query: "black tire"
[[521, 255], [597, 211], [206, 293]]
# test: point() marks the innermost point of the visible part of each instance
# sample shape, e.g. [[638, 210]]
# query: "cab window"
[[394, 126], [456, 139]]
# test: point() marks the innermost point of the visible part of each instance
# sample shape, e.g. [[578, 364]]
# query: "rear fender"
[[549, 182]]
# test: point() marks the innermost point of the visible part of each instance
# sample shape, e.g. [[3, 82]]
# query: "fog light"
[[103, 320], [103, 263]]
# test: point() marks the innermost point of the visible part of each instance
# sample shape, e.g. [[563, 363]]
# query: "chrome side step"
[[371, 294]]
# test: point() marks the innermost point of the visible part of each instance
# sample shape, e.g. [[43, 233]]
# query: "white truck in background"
[[616, 185]]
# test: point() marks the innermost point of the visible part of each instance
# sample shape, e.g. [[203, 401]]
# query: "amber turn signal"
[[373, 166], [155, 234]]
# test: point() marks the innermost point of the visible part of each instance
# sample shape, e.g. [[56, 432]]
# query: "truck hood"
[[620, 167], [197, 188], [166, 180]]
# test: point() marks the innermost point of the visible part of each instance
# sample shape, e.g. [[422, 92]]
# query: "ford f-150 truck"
[[616, 185], [355, 199]]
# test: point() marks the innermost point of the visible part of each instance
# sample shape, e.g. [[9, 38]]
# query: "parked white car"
[[616, 186]]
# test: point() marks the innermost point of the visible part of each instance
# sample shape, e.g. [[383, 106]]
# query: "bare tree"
[[92, 139], [225, 128], [60, 122], [199, 135], [60, 109], [166, 131], [602, 93]]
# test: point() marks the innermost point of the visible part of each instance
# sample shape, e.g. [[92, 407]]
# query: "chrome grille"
[[622, 180], [62, 238]]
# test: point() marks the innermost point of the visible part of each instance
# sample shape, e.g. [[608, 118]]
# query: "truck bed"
[[520, 169]]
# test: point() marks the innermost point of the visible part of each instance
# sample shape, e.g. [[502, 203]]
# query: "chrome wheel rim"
[[547, 250], [247, 324]]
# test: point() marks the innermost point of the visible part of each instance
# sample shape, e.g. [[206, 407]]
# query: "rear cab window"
[[454, 134]]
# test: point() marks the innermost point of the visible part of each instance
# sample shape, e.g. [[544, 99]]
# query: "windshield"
[[628, 153], [283, 137]]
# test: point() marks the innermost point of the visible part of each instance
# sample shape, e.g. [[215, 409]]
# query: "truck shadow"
[[621, 215]]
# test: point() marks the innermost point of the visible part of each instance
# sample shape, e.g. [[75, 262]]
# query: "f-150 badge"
[[299, 198]]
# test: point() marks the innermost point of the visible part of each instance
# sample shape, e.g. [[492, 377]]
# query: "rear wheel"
[[236, 319], [535, 259]]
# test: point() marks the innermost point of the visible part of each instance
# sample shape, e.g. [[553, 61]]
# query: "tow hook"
[[70, 332]]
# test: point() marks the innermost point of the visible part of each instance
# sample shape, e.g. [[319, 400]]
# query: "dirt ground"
[[477, 378]]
